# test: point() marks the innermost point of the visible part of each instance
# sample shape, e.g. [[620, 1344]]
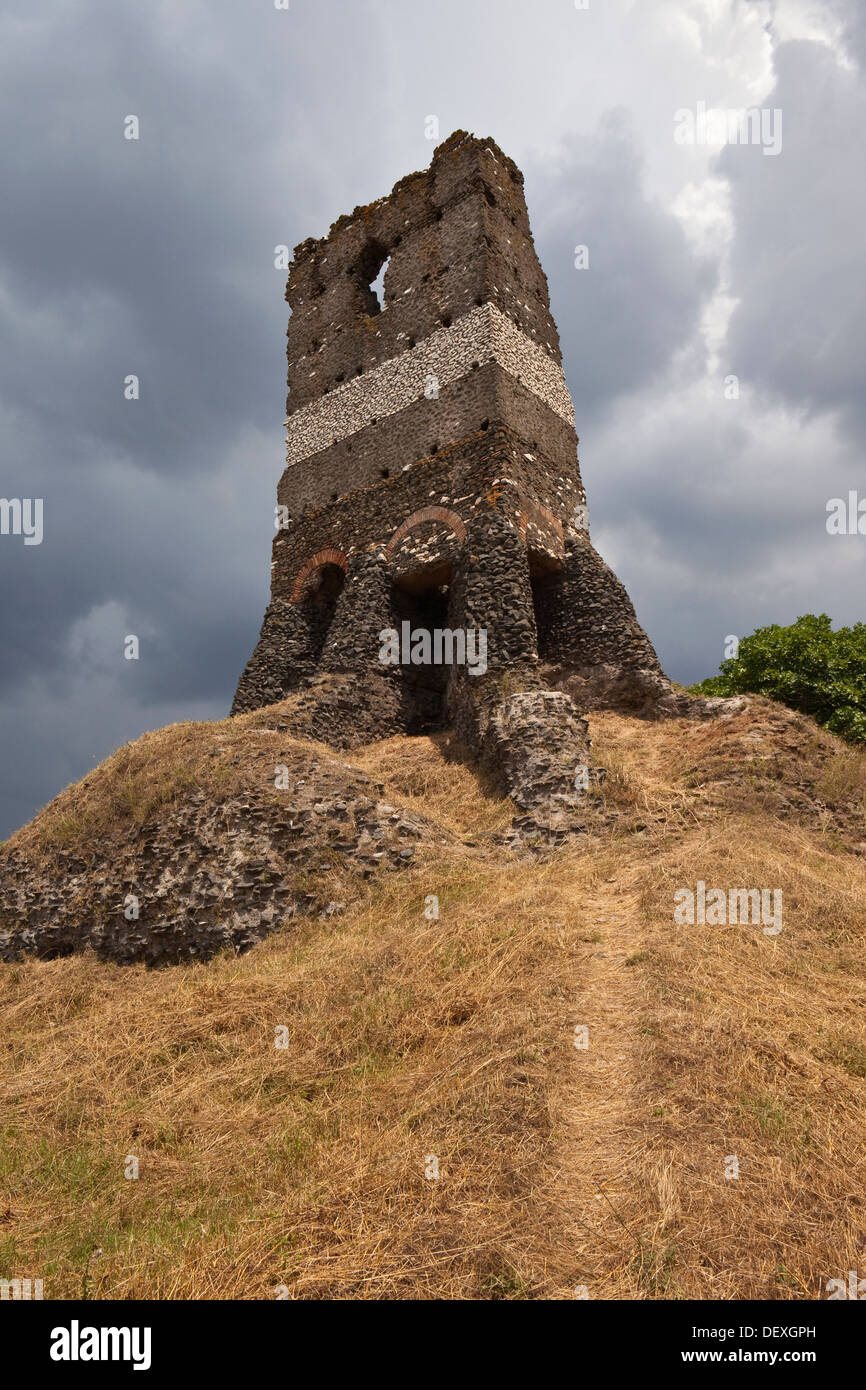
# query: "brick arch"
[[315, 562], [537, 514], [531, 511], [450, 519]]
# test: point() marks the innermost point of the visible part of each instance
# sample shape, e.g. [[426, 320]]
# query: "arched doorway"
[[315, 592]]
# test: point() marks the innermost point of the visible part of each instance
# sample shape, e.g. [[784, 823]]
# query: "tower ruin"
[[432, 479]]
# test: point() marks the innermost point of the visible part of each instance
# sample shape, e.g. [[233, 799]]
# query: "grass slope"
[[304, 1167]]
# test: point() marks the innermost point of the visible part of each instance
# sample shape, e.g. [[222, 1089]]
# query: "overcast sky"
[[258, 127]]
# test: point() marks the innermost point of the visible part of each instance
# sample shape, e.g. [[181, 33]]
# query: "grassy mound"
[[309, 1167]]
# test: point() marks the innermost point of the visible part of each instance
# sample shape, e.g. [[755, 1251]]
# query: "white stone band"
[[484, 335]]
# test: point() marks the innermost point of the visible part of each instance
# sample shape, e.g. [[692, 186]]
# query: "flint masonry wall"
[[455, 478], [482, 336], [432, 476], [458, 237], [380, 447], [586, 617], [493, 464]]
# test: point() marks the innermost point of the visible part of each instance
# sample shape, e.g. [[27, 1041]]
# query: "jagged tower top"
[[454, 236]]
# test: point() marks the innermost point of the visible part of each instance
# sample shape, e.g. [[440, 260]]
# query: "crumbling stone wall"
[[432, 460], [211, 872]]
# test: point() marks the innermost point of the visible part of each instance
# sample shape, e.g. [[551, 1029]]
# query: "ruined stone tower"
[[432, 478]]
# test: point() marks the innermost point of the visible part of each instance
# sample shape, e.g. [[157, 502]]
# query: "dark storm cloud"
[[797, 257], [712, 511], [623, 317], [153, 257], [122, 257]]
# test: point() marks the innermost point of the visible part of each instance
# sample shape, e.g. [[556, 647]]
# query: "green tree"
[[807, 667]]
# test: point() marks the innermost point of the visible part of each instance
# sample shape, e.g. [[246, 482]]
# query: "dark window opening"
[[319, 604], [546, 584], [369, 272], [424, 605]]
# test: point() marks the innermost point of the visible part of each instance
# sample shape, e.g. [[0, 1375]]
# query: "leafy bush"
[[807, 667]]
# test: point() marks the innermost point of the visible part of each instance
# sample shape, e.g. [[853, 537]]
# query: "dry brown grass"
[[429, 776], [145, 778], [411, 1037]]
